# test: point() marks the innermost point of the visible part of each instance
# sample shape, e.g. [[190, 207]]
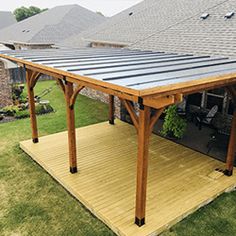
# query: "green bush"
[[174, 125], [39, 110], [43, 109], [10, 110], [22, 114]]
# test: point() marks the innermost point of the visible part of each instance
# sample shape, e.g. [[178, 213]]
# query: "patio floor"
[[180, 180]]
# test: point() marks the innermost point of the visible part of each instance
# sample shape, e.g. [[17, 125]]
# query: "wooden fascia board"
[[192, 86]]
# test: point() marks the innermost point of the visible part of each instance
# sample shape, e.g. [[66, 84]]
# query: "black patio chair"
[[205, 117]]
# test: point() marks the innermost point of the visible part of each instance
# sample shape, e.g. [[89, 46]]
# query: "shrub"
[[10, 110], [43, 109], [174, 125], [22, 114], [39, 110]]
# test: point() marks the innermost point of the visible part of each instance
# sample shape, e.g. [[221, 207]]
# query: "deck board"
[[180, 180]]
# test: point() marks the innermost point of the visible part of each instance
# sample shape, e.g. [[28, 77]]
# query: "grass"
[[32, 203]]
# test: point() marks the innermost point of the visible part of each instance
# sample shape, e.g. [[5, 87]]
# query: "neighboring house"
[[49, 27], [141, 21], [6, 19], [172, 26], [41, 31]]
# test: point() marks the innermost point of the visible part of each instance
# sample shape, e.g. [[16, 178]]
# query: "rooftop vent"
[[23, 31], [229, 15], [131, 13], [204, 16]]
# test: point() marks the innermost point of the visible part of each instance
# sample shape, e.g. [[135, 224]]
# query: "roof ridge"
[[122, 12]]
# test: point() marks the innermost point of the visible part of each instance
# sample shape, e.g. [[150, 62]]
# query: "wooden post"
[[231, 147], [33, 120], [142, 164], [69, 91], [111, 110]]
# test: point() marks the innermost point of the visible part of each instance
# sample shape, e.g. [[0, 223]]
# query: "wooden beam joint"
[[140, 102], [74, 96], [129, 107], [160, 102]]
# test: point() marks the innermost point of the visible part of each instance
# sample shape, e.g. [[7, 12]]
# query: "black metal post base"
[[139, 222], [228, 172], [111, 122], [35, 140], [73, 170]]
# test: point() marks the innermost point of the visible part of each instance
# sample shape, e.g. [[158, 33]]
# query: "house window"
[[195, 99], [215, 97], [208, 99]]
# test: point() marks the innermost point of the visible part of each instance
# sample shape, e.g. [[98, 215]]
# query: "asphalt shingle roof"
[[143, 20], [215, 35], [52, 26], [6, 19]]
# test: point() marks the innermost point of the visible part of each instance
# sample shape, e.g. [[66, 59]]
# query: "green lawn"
[[32, 203]]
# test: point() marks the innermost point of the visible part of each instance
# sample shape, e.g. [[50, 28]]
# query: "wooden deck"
[[180, 180]]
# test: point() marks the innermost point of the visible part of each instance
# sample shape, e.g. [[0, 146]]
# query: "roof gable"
[[51, 26]]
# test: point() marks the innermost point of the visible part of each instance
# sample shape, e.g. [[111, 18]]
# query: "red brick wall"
[[5, 87]]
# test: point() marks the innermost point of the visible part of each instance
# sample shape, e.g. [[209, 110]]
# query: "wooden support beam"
[[111, 109], [154, 119], [61, 85], [132, 113], [232, 147], [34, 78], [76, 92], [69, 91], [31, 76], [142, 164], [232, 92]]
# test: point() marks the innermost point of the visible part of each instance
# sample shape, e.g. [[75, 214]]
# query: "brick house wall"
[[97, 95], [5, 86]]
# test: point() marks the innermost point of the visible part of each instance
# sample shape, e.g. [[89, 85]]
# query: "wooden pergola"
[[154, 80]]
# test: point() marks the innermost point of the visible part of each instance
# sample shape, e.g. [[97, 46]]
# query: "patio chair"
[[220, 138], [206, 118]]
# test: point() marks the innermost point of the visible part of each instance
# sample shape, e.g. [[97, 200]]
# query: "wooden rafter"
[[132, 113]]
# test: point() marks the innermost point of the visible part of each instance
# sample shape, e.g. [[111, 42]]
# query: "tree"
[[22, 13]]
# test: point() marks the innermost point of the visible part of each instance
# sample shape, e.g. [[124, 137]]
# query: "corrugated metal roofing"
[[132, 69]]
